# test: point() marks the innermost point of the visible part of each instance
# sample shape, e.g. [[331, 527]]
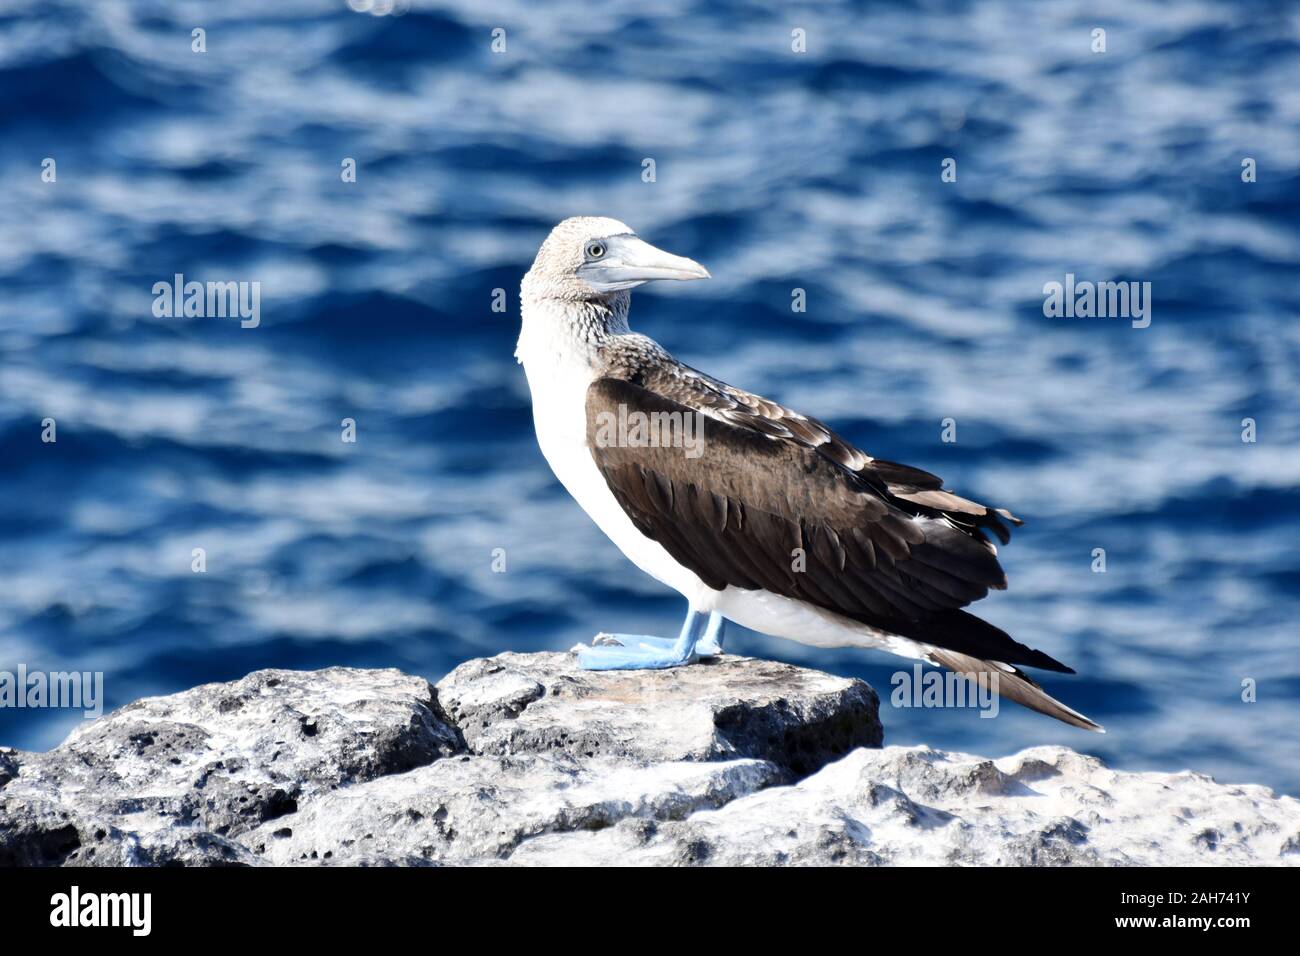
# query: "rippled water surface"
[[818, 171]]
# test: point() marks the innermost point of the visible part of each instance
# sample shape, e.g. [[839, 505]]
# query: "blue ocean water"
[[777, 170]]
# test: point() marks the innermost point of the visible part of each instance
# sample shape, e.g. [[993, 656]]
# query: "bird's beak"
[[628, 262]]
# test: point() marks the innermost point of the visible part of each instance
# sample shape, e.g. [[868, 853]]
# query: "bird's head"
[[589, 257]]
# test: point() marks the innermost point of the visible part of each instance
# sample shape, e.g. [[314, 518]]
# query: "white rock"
[[796, 718], [524, 759], [474, 809], [914, 805]]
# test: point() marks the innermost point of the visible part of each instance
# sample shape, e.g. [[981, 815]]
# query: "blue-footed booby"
[[758, 514]]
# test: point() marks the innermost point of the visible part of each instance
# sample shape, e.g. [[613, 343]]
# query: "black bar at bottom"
[[337, 904]]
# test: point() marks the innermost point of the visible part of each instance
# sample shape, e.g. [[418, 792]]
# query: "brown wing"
[[774, 500], [906, 485]]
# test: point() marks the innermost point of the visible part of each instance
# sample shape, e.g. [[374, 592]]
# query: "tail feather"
[[974, 638], [1014, 684]]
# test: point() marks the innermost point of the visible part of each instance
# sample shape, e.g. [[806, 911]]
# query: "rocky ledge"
[[523, 758]]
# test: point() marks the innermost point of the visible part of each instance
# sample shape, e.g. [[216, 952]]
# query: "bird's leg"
[[612, 652], [710, 643]]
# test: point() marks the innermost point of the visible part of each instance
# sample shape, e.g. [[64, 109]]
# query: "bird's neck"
[[563, 332]]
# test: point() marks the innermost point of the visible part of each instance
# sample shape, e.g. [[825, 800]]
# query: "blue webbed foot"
[[644, 652], [631, 640], [625, 652]]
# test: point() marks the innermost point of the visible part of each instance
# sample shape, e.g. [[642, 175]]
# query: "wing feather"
[[776, 500]]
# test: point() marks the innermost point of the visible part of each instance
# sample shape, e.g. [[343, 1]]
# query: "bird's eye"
[[595, 250]]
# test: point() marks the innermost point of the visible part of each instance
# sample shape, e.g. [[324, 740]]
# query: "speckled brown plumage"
[[769, 481]]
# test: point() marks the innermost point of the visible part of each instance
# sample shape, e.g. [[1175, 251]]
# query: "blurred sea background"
[[776, 170]]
